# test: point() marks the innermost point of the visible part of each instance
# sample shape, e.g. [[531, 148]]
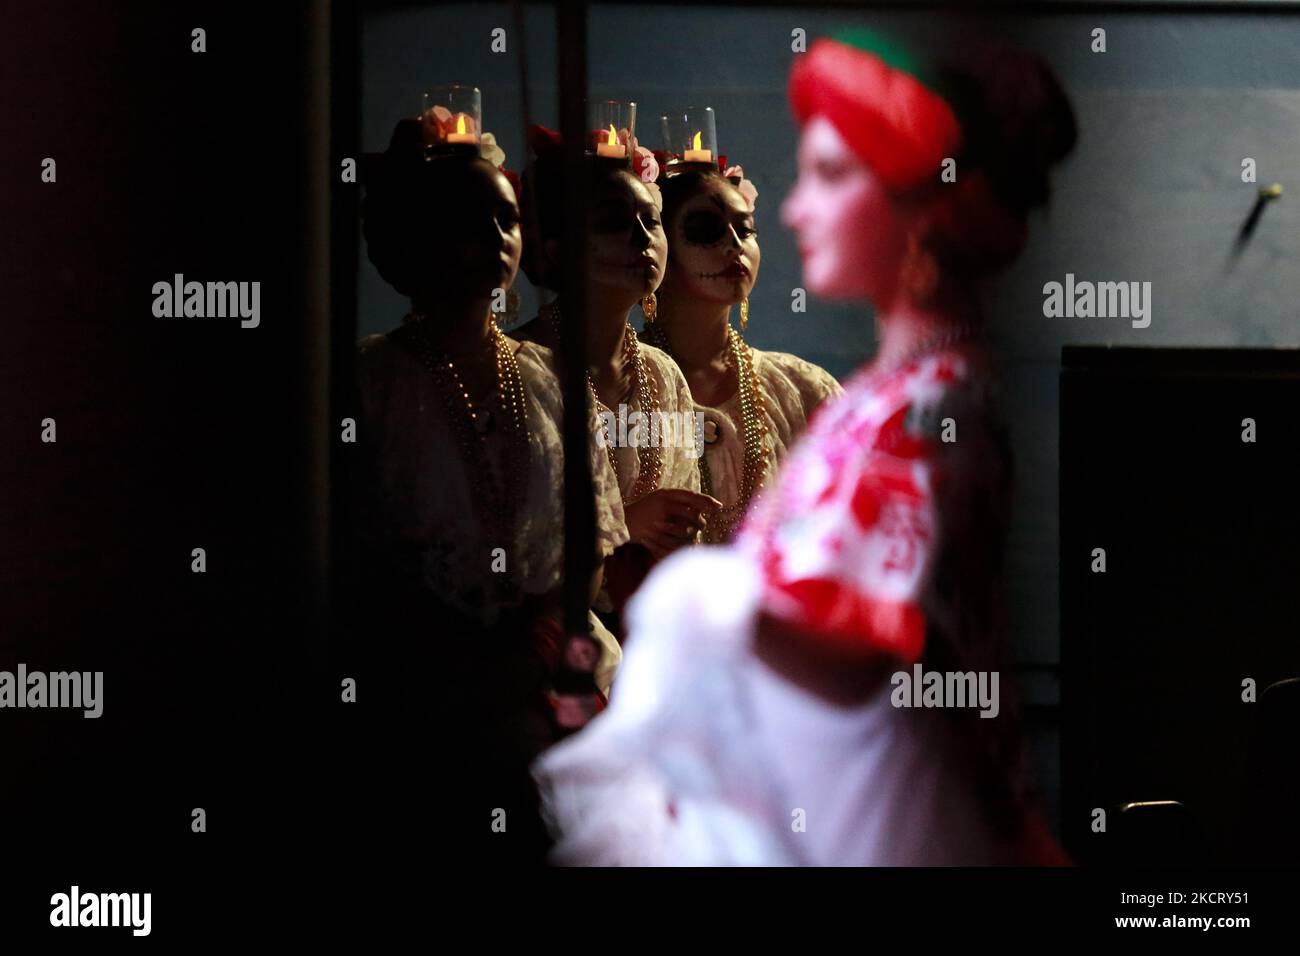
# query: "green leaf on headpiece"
[[888, 49]]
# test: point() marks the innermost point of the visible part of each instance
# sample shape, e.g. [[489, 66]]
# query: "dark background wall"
[[1179, 663], [173, 434]]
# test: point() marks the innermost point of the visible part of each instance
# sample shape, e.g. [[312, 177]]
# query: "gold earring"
[[650, 308], [744, 313]]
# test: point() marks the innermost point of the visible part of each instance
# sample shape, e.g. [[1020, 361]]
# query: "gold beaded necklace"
[[649, 456], [753, 423], [497, 502]]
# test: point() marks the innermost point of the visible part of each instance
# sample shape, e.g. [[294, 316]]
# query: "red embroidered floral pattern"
[[848, 544]]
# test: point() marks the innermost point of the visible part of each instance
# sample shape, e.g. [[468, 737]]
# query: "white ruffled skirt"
[[666, 775]]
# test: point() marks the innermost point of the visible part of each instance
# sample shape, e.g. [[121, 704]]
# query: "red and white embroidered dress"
[[882, 532]]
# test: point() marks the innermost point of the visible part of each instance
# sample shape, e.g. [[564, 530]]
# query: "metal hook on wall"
[[1266, 195]]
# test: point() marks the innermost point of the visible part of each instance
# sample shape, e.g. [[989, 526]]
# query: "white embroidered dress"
[[424, 509], [679, 447], [791, 390]]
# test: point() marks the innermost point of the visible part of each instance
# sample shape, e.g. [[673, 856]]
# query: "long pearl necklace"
[[497, 502], [649, 456]]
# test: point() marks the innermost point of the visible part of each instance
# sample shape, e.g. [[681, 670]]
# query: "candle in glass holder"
[[611, 147], [613, 128], [452, 118], [459, 135], [697, 155]]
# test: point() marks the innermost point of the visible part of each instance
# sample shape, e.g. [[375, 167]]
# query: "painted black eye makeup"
[[704, 227], [507, 216], [649, 216], [612, 216]]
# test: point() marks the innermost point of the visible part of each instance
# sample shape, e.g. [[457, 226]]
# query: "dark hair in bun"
[[1016, 124], [1017, 121]]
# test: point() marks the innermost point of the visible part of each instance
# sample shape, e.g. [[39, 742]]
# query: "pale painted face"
[[715, 253], [850, 234], [626, 247]]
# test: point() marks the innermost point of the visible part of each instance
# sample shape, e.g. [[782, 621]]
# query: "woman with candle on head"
[[761, 717], [624, 262], [754, 403], [462, 491]]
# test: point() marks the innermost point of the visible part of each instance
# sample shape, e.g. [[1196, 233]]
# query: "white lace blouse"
[[423, 508], [679, 452]]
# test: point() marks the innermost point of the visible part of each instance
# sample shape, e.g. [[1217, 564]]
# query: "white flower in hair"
[[489, 150], [749, 191], [656, 194], [746, 187], [649, 165]]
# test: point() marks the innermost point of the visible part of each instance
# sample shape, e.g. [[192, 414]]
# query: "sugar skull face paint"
[[714, 245], [626, 245]]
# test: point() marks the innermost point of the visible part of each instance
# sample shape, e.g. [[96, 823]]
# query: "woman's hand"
[[668, 518]]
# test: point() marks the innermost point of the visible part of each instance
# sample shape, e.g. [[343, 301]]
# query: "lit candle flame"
[[460, 123], [695, 143], [613, 136]]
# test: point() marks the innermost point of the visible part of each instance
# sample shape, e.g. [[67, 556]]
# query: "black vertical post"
[[345, 219], [579, 506]]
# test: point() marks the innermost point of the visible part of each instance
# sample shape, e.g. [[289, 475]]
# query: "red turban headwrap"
[[894, 122]]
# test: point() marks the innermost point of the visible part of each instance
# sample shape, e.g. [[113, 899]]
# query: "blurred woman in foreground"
[[766, 712]]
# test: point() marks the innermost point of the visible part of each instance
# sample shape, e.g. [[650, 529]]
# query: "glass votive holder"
[[452, 119], [690, 137], [613, 128]]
